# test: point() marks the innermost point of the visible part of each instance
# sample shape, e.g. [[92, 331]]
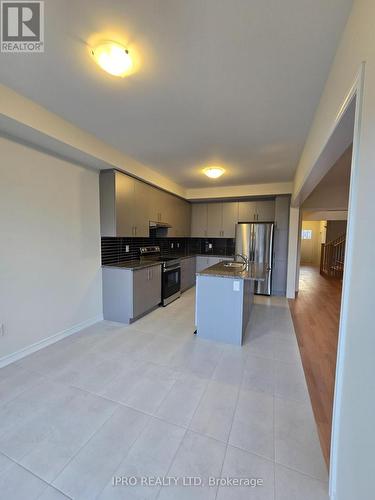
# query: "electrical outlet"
[[172, 245], [127, 250], [2, 329], [236, 286], [178, 245], [210, 246]]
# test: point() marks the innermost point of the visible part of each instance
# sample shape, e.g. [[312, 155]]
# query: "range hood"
[[159, 225]]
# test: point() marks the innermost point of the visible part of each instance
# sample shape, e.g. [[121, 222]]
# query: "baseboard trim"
[[15, 356]]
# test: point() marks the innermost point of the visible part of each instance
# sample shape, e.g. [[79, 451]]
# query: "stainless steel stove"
[[171, 273]]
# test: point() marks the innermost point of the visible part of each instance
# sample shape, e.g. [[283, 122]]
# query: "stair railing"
[[332, 258]]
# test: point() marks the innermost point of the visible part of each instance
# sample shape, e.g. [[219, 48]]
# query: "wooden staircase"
[[332, 258]]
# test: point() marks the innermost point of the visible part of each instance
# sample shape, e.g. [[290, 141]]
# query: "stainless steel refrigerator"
[[256, 242]]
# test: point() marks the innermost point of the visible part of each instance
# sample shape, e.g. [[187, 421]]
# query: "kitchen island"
[[224, 298]]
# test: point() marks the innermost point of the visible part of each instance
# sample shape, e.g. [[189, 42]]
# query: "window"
[[306, 234]]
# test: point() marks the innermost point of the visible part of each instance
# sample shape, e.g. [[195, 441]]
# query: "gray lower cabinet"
[[129, 294], [188, 270], [146, 289]]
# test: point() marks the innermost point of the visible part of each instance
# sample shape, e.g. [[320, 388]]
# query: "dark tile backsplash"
[[113, 249]]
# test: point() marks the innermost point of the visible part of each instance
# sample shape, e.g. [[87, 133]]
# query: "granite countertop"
[[255, 272], [138, 264], [204, 255], [133, 265]]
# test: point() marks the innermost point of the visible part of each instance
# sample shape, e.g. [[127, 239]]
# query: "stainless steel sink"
[[235, 265]]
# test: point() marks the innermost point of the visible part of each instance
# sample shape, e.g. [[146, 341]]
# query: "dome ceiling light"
[[214, 172], [113, 58]]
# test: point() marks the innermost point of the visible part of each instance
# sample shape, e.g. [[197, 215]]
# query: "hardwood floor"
[[316, 313]]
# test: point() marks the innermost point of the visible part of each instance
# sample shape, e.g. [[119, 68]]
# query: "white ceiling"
[[233, 82]]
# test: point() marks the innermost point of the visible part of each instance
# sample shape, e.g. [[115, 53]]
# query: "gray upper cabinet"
[[265, 211], [214, 220], [247, 211], [178, 214], [127, 206], [282, 212], [230, 219], [199, 220], [141, 209], [256, 211], [123, 205], [182, 224]]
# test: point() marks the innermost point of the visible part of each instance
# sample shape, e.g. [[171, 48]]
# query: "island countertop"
[[255, 272]]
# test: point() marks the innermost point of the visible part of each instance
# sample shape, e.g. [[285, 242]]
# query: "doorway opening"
[[316, 309]]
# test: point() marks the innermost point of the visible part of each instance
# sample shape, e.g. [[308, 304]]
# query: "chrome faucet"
[[244, 258]]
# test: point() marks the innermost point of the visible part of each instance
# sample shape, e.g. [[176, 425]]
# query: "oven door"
[[171, 285]]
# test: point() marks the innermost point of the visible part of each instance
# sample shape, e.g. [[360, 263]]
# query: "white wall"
[[25, 118], [50, 275], [352, 460]]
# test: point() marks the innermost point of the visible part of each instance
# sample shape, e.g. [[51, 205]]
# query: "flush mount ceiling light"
[[213, 172], [113, 57]]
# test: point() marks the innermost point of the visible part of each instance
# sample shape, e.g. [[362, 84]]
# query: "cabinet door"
[[154, 204], [167, 204], [158, 205], [125, 203], [146, 289], [141, 292], [155, 286], [247, 211], [202, 263], [185, 274], [282, 212], [199, 220], [192, 271], [141, 209], [279, 276], [230, 219], [186, 219], [265, 211], [214, 220]]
